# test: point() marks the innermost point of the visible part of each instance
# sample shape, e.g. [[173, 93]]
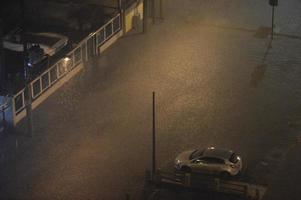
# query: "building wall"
[[135, 9]]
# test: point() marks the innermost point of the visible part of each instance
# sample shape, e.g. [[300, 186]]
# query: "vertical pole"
[[119, 4], [145, 15], [28, 101], [26, 74], [154, 139], [273, 12], [120, 9]]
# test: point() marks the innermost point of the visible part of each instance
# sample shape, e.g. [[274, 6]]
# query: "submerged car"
[[210, 160]]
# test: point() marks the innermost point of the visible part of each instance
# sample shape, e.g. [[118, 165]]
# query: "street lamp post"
[[273, 3], [28, 100], [154, 139], [273, 13]]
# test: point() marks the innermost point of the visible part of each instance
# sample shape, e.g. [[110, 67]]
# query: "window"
[[45, 81], [36, 88], [211, 160], [196, 154], [108, 30], [53, 74], [77, 55], [19, 103], [116, 24], [100, 37]]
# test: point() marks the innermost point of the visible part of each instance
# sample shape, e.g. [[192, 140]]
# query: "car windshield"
[[233, 158], [195, 154]]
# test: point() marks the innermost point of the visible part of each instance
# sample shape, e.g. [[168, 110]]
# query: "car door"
[[200, 165], [215, 165], [211, 165]]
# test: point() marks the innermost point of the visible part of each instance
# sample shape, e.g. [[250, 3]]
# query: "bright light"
[[66, 59]]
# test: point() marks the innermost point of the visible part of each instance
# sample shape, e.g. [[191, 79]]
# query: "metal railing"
[[79, 54]]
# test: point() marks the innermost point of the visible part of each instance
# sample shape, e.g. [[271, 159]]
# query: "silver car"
[[210, 160]]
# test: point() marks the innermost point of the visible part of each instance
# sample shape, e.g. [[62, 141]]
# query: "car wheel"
[[225, 175], [186, 169]]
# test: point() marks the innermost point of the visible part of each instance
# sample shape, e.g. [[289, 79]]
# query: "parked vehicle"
[[210, 161], [39, 45]]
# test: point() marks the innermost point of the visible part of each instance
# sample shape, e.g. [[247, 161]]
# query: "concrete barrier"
[[211, 183]]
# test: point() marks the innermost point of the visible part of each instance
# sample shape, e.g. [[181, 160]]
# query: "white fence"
[[86, 49]]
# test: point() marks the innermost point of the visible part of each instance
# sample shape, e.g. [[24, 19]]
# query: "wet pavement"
[[216, 85]]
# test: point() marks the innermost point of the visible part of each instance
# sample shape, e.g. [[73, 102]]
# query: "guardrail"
[[206, 182], [80, 53]]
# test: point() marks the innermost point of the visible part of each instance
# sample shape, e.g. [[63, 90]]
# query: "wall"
[[130, 13]]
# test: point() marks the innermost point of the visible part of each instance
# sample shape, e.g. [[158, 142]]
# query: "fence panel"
[[45, 81], [19, 102], [36, 88]]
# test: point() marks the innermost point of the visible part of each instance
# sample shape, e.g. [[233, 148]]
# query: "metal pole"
[[119, 4], [154, 139], [122, 17], [273, 12], [26, 74]]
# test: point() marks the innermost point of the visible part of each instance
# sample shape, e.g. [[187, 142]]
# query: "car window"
[[196, 161], [211, 160], [196, 154]]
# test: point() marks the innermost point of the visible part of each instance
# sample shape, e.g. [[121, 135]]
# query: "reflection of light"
[[66, 59]]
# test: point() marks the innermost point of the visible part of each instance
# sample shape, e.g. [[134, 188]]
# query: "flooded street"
[[216, 85]]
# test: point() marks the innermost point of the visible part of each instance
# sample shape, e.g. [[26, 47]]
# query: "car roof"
[[217, 153]]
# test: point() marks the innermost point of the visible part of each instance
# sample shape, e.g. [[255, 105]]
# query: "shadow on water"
[[259, 71]]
